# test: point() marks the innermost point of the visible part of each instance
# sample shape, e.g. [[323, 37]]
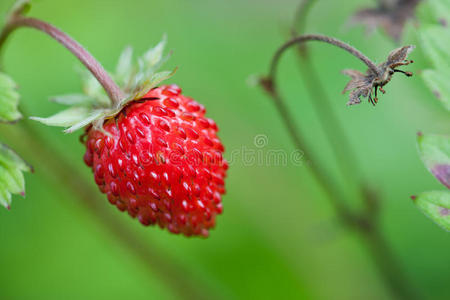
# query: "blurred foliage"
[[435, 150], [435, 40], [435, 153], [277, 238]]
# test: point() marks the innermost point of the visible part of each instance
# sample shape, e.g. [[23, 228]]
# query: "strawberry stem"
[[16, 21], [321, 38]]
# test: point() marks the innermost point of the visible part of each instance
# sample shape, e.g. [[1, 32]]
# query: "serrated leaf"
[[66, 117], [435, 153], [11, 175], [12, 179], [5, 196], [436, 206], [9, 100]]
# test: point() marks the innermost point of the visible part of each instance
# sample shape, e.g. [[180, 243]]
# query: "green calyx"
[[135, 78]]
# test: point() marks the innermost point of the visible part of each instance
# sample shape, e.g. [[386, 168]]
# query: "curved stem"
[[269, 83], [17, 21], [321, 38]]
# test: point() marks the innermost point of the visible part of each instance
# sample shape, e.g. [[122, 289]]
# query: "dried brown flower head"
[[364, 84], [391, 15]]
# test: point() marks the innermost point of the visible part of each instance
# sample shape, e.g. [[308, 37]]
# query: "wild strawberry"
[[152, 150], [160, 159]]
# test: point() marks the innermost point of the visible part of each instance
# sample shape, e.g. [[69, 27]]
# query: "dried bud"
[[364, 84]]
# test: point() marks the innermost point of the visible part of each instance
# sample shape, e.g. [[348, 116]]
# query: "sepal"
[[94, 106]]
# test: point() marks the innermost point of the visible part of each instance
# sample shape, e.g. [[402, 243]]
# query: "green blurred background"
[[278, 237]]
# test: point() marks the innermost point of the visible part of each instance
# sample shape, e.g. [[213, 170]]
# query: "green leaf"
[[9, 100], [435, 153], [11, 175], [435, 42], [436, 206]]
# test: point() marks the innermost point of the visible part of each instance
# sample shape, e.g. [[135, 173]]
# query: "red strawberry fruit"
[[152, 150], [160, 160]]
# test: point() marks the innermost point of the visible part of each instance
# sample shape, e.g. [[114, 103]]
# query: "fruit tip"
[[413, 198], [419, 133]]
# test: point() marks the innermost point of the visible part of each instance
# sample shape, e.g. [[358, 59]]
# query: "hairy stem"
[[17, 21], [320, 38]]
